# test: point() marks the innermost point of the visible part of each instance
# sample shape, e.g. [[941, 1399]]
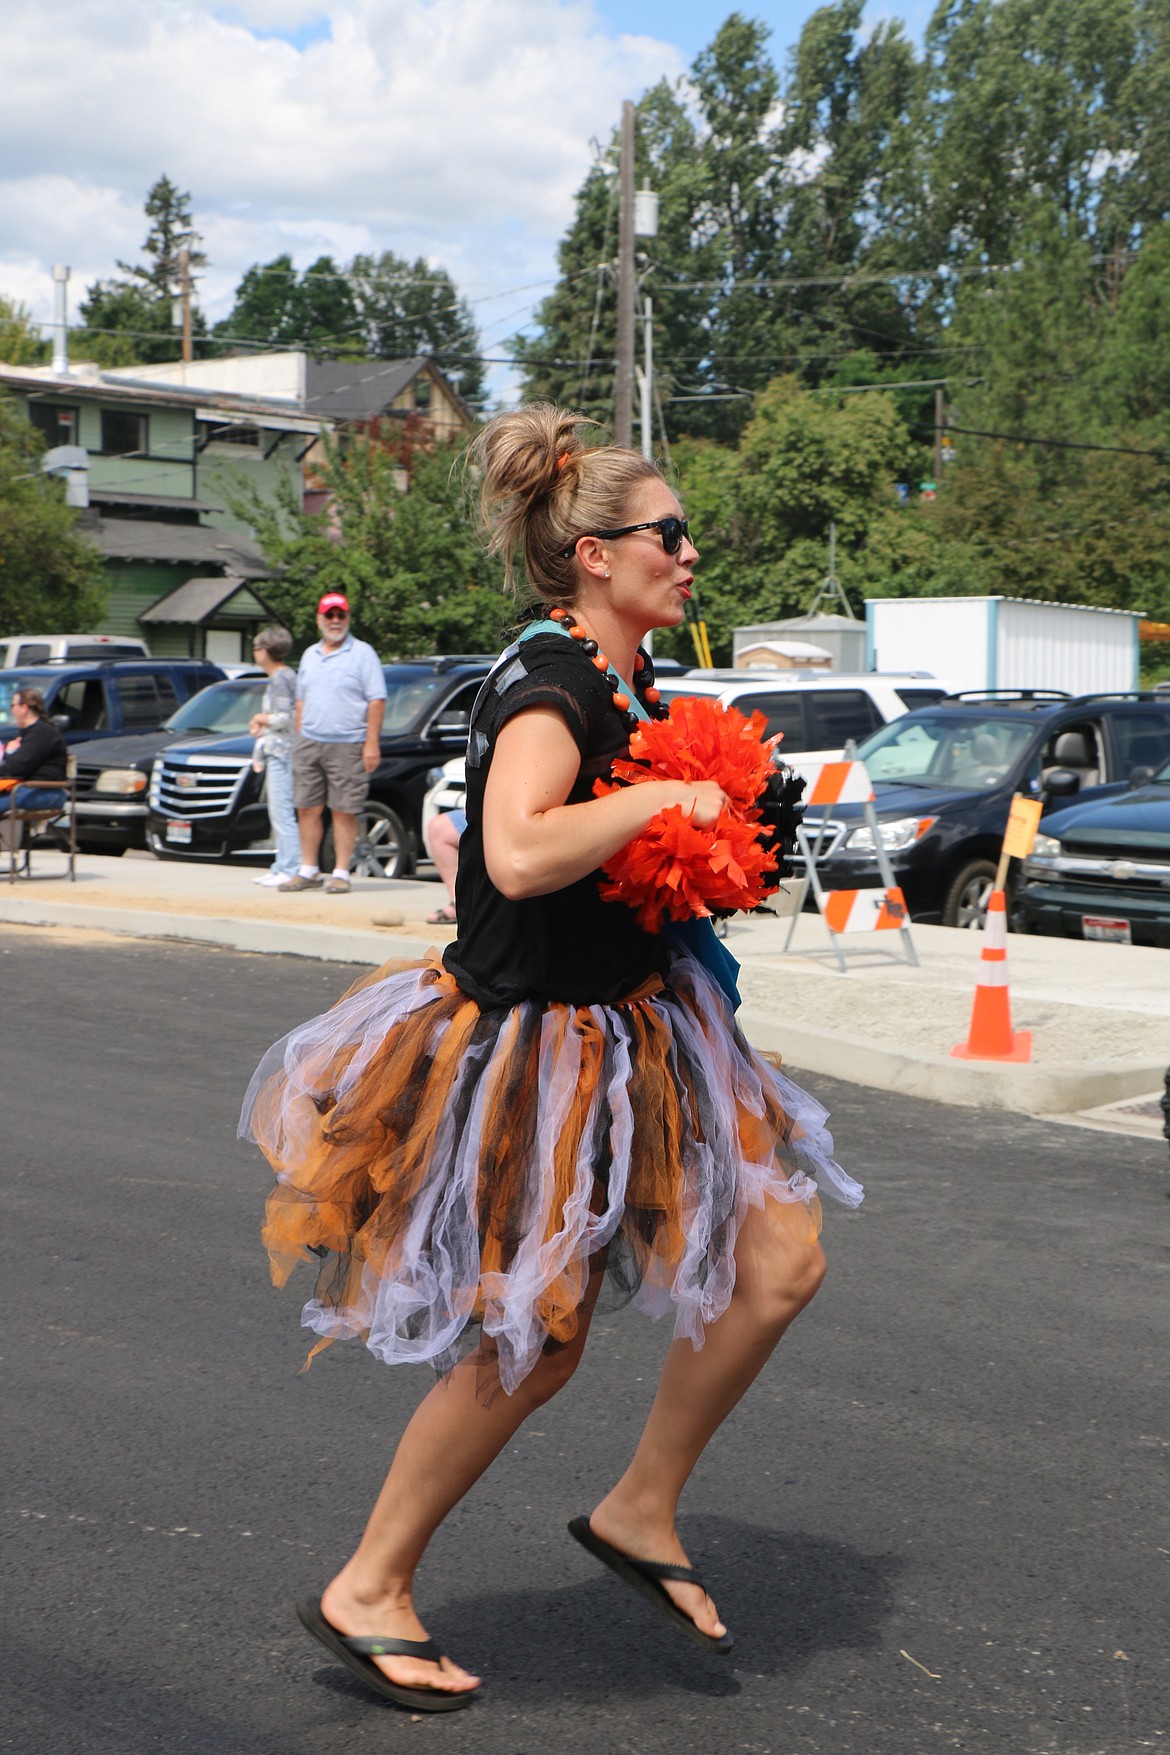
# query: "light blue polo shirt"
[[337, 689]]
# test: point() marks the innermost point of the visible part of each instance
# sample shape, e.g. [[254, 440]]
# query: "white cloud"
[[454, 129]]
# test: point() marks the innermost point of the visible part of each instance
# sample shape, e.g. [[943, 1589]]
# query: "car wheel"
[[967, 897], [383, 846]]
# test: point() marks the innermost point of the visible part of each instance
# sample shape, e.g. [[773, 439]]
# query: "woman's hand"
[[257, 723], [703, 802]]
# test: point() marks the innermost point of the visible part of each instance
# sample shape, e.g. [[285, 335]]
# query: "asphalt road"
[[940, 1521]]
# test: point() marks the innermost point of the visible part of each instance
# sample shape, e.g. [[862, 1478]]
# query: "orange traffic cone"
[[991, 1036]]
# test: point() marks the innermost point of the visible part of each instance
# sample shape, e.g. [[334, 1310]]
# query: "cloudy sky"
[[458, 130]]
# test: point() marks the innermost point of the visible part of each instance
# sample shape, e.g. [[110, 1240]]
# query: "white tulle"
[[417, 1311]]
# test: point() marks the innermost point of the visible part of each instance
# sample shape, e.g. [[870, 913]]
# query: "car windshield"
[[225, 708], [946, 750], [11, 683]]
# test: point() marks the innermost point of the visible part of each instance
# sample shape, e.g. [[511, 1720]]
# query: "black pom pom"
[[781, 809]]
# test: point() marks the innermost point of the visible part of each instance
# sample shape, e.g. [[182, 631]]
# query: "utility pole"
[[940, 421], [623, 381], [185, 302]]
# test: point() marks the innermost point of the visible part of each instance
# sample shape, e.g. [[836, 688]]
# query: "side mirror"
[[63, 721], [1061, 783], [448, 727], [1140, 777]]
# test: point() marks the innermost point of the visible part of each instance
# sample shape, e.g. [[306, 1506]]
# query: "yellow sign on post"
[[1023, 821]]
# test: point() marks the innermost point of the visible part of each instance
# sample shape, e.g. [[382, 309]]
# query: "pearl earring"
[[607, 572]]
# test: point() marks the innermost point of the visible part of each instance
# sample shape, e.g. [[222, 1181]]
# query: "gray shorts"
[[329, 773]]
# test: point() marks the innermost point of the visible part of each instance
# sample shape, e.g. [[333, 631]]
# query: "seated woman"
[[39, 755]]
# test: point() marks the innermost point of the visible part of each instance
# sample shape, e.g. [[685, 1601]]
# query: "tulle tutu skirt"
[[447, 1167]]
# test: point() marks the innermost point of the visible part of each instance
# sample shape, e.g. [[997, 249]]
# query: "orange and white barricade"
[[875, 909]]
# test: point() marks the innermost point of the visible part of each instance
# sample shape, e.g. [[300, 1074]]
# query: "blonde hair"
[[542, 488]]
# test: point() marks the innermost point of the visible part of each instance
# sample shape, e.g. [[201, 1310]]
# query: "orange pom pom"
[[675, 870]]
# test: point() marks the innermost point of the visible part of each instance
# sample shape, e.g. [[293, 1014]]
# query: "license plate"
[[179, 831], [1116, 932]]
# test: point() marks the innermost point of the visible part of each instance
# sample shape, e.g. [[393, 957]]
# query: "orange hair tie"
[[563, 459]]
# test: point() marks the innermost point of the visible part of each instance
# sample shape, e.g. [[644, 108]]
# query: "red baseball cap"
[[333, 600]]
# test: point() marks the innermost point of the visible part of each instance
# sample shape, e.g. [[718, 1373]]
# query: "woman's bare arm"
[[535, 843]]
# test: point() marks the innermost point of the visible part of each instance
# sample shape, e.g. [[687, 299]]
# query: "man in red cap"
[[341, 696]]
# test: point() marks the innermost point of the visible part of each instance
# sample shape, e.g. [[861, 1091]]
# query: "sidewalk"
[[1099, 1013]]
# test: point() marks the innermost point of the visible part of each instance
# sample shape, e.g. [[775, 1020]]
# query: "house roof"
[[198, 600], [356, 389], [195, 545]]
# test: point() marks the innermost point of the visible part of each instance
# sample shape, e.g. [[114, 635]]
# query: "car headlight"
[[892, 837], [124, 781], [1045, 847]]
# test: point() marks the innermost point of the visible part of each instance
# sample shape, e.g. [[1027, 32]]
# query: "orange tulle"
[[675, 870]]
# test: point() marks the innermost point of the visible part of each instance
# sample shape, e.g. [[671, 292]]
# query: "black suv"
[[109, 697], [113, 773], [944, 777], [205, 801]]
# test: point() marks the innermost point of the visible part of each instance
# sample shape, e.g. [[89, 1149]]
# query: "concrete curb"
[[328, 944], [1027, 1090]]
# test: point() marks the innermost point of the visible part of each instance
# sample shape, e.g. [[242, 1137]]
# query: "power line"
[[1059, 444]]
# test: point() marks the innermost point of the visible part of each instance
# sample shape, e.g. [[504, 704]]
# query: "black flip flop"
[[356, 1655], [645, 1577]]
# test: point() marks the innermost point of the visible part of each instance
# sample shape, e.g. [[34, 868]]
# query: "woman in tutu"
[[470, 1148]]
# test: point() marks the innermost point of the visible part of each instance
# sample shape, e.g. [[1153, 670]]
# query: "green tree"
[[274, 307], [415, 575], [20, 341], [406, 309], [758, 183], [131, 319], [50, 577], [1037, 100], [762, 511]]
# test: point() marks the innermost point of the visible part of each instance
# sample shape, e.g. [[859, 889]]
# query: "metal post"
[[623, 380], [60, 319], [939, 424], [185, 301], [648, 379]]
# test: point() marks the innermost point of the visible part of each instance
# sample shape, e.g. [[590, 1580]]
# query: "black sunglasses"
[[335, 615], [673, 531]]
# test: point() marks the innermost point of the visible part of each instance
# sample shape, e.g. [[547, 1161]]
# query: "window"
[[224, 432], [838, 715], [1142, 740], [455, 718], [140, 702], [57, 423], [784, 713], [85, 703], [122, 433], [422, 394]]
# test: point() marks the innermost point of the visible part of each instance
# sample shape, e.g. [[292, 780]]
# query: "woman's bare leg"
[[454, 1435], [778, 1271]]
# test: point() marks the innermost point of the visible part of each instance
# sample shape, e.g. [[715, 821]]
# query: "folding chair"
[[41, 819]]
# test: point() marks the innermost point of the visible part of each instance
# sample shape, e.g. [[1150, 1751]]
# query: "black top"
[[42, 754], [569, 945]]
